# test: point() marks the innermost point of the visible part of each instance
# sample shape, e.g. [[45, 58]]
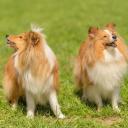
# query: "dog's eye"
[[20, 37], [105, 36]]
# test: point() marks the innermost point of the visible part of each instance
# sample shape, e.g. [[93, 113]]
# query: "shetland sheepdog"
[[101, 65], [32, 69]]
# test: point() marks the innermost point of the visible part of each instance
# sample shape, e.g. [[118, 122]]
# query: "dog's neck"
[[30, 56]]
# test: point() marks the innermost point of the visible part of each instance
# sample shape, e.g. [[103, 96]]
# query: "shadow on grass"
[[87, 103], [41, 110]]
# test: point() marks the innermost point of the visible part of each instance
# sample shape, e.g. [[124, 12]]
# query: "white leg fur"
[[115, 100], [98, 101], [30, 105], [55, 105], [14, 106], [84, 96], [92, 95]]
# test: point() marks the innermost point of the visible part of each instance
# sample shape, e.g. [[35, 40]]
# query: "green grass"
[[65, 23]]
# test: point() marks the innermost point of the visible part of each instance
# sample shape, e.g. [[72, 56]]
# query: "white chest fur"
[[107, 75], [112, 54], [39, 88], [16, 63]]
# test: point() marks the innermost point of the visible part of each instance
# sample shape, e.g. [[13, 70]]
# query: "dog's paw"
[[84, 98], [30, 115], [116, 109], [14, 106], [99, 109], [61, 116]]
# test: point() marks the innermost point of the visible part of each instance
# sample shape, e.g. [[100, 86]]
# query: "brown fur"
[[12, 84]]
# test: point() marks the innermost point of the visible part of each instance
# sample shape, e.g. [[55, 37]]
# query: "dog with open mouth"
[[100, 66], [33, 70]]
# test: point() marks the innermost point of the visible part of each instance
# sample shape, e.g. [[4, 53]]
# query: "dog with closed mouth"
[[32, 69], [100, 66]]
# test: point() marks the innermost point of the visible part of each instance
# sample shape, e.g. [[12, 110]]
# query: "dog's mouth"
[[112, 44], [11, 43]]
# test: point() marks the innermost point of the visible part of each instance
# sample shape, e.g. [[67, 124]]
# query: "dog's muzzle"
[[113, 43], [10, 43]]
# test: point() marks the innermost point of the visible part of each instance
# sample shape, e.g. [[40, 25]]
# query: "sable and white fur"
[[36, 70], [99, 67]]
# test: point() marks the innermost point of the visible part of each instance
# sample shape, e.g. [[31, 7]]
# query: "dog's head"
[[105, 36], [24, 40]]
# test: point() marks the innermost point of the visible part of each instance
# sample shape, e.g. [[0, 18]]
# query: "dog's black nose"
[[6, 35], [114, 37]]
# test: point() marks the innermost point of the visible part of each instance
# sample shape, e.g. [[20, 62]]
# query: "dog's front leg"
[[30, 104], [55, 105], [115, 99]]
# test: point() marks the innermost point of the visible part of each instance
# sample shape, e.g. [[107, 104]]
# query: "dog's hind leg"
[[11, 90]]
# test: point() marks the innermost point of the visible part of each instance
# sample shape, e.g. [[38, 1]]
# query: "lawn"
[[65, 24]]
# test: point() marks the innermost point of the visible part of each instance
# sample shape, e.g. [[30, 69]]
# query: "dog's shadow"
[[44, 110]]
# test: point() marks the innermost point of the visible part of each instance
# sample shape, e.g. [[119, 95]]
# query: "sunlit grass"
[[65, 24]]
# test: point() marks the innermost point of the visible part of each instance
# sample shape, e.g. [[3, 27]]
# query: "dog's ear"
[[92, 31], [33, 38], [111, 26]]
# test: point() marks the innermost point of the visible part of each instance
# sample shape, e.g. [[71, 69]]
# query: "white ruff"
[[107, 75], [39, 88]]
